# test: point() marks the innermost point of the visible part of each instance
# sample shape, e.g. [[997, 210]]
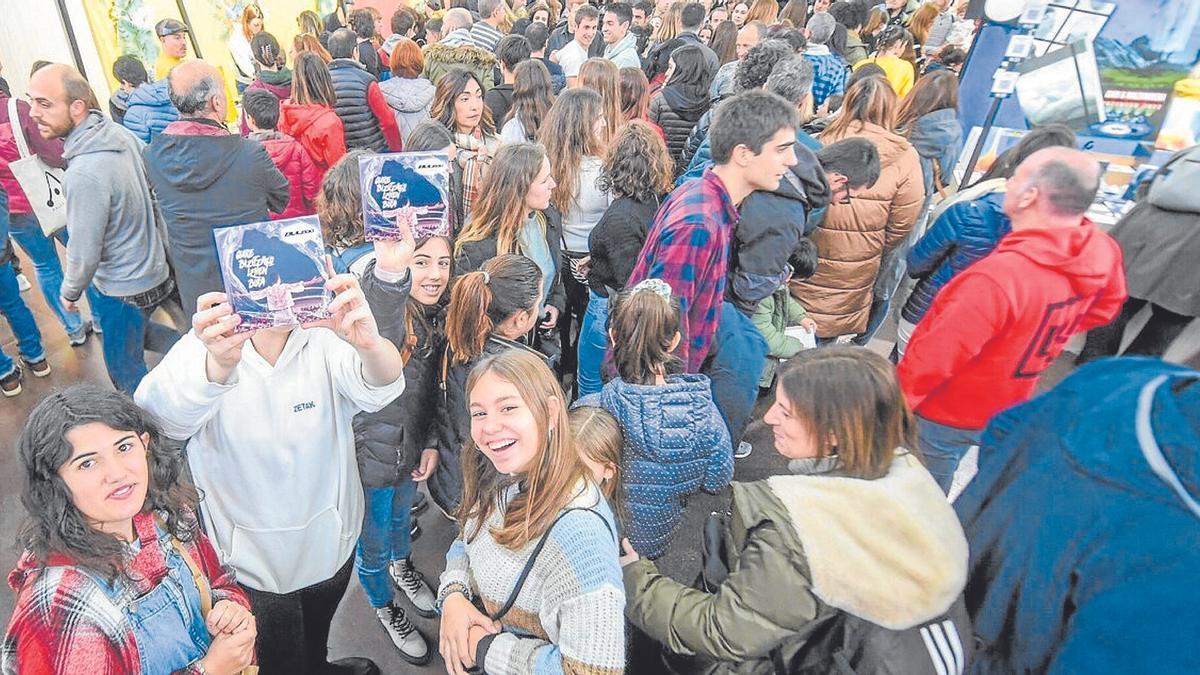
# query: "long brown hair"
[[765, 11], [568, 139], [724, 41], [603, 77], [311, 83], [500, 209], [449, 87], [850, 395], [307, 43], [936, 91], [483, 299], [635, 94], [922, 21], [871, 100], [533, 94], [339, 203], [795, 11], [551, 481], [643, 326], [598, 437]]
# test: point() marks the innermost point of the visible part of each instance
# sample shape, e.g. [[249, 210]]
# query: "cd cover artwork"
[[412, 186], [273, 272]]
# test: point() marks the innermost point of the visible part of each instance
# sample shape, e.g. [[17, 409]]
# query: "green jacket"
[[802, 547], [439, 59], [772, 317]]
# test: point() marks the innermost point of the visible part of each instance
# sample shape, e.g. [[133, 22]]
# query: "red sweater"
[[50, 150], [996, 326], [292, 160]]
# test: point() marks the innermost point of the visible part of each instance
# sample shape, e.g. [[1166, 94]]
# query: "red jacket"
[[319, 130], [996, 326], [50, 150], [292, 160]]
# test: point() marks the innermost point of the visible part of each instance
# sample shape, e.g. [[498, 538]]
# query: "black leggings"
[[1153, 340], [293, 628]]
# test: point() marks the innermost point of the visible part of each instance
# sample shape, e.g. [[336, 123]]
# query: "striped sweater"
[[569, 616]]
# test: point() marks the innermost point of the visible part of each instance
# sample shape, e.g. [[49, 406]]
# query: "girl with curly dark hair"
[[637, 172], [111, 541]]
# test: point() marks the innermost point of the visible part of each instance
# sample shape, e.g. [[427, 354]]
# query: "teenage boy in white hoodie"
[[267, 419]]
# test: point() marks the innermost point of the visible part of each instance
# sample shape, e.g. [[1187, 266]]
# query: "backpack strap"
[[533, 556]]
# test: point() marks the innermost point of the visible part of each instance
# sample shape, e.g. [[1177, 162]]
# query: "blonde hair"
[[763, 10], [871, 100], [500, 208], [922, 21], [598, 437], [549, 483], [603, 77], [250, 13], [671, 26]]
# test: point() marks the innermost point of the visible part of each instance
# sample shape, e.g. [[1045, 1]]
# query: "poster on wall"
[[1143, 48]]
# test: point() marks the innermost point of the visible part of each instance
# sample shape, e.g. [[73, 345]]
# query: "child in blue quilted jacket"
[[675, 440]]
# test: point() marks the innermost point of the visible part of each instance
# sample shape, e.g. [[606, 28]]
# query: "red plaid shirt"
[[65, 623], [688, 247]]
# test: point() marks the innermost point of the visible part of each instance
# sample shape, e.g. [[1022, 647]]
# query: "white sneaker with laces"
[[404, 635], [408, 579]]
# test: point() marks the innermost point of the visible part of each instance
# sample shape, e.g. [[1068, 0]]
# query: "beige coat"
[[852, 237]]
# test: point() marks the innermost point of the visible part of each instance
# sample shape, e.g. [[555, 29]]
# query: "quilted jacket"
[[293, 161], [675, 445], [150, 110], [964, 233]]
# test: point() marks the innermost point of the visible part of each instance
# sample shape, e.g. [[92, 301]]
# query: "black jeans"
[[293, 628], [571, 321], [1153, 340]]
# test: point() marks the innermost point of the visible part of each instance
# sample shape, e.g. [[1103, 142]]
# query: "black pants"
[[293, 628], [571, 321], [1153, 340]]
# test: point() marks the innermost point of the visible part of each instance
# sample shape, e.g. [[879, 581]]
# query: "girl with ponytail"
[[490, 311], [676, 442], [273, 73]]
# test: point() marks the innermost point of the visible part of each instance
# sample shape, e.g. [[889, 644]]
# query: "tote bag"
[[42, 184]]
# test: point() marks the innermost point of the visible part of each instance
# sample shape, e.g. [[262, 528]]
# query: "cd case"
[[412, 186], [274, 272]]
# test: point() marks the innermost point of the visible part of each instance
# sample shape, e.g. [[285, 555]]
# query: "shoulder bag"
[[42, 184]]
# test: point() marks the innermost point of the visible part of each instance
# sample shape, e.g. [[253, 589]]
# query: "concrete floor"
[[356, 632]]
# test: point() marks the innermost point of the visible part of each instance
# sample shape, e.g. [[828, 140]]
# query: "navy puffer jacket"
[[965, 232], [676, 444]]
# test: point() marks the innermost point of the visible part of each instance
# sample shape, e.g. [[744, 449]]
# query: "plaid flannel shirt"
[[829, 74], [65, 623], [688, 247]]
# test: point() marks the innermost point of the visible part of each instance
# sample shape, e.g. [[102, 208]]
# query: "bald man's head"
[[59, 99], [1055, 181], [197, 90]]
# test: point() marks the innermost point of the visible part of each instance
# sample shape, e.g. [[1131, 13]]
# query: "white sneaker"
[[408, 579], [404, 635], [743, 450], [23, 283]]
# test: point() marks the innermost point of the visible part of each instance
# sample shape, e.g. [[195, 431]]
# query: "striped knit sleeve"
[[583, 607]]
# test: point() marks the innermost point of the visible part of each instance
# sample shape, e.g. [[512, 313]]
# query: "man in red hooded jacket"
[[995, 327]]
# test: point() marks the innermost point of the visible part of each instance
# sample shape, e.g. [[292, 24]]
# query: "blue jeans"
[[735, 364], [24, 327], [943, 448], [128, 331], [386, 536], [593, 341], [41, 250]]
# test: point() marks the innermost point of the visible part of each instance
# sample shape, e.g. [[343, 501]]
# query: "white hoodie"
[[272, 452]]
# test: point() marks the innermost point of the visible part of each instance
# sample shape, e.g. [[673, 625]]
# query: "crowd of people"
[[663, 215]]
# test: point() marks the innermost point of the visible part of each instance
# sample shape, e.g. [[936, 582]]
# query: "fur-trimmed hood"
[[463, 55], [890, 550]]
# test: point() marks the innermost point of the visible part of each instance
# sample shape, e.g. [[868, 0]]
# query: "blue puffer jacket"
[[150, 110], [1083, 526], [675, 445], [965, 232]]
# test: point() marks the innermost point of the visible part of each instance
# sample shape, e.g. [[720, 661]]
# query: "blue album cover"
[[413, 186], [274, 272]]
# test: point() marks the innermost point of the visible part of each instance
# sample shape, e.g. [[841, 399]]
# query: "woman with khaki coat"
[[854, 235]]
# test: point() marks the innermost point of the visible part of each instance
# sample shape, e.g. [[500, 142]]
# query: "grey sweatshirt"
[[114, 241]]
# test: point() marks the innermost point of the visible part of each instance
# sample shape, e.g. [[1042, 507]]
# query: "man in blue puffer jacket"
[[964, 233], [150, 110], [1084, 527]]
